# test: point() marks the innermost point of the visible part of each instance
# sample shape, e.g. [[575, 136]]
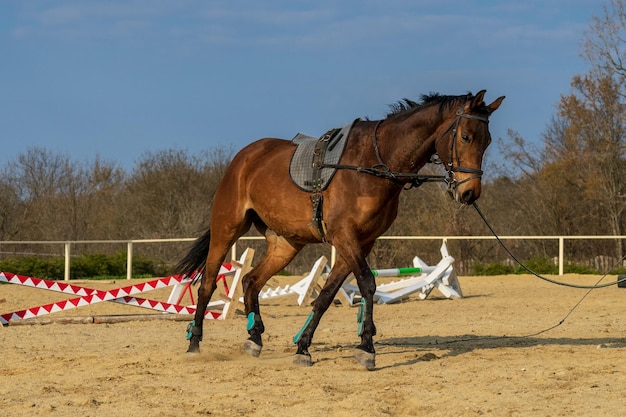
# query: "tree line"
[[570, 181]]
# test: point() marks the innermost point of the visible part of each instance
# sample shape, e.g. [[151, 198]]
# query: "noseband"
[[454, 152]]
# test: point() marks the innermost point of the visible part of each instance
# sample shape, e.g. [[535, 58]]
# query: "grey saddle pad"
[[301, 167]]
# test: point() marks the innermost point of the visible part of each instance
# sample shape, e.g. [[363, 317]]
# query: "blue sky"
[[117, 78]]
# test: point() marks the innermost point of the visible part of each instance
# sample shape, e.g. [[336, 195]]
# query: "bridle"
[[453, 154]]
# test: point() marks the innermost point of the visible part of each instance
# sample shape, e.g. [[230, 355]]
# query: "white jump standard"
[[442, 276]]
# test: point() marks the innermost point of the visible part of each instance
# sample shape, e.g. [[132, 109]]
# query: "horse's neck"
[[408, 144]]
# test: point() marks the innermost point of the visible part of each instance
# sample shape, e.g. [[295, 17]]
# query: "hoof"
[[365, 359], [193, 347], [302, 360], [252, 348]]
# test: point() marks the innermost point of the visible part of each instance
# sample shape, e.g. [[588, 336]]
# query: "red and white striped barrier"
[[89, 296], [180, 289], [125, 295]]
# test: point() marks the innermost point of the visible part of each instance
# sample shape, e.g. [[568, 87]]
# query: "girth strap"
[[317, 225]]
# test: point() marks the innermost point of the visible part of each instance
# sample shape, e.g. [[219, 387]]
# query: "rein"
[[382, 170]]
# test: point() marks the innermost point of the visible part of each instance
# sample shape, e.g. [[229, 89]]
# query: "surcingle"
[[310, 171], [307, 164]]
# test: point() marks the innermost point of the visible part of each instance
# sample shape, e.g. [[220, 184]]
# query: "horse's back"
[[265, 146], [263, 157]]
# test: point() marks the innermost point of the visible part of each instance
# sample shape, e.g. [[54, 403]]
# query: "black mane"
[[406, 105]]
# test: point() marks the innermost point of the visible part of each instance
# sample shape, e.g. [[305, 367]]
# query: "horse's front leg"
[[305, 336], [365, 353]]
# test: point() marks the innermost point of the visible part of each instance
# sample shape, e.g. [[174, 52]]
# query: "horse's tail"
[[194, 263]]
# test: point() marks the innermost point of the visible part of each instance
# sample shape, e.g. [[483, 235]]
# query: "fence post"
[[129, 260], [561, 254], [66, 273]]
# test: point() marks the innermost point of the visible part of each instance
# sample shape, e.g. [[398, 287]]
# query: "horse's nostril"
[[467, 197]]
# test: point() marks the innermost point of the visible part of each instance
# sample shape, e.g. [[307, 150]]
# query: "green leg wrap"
[[297, 337], [192, 330], [251, 320], [360, 317]]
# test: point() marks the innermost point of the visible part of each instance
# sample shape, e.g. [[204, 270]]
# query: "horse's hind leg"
[[216, 245], [279, 254], [208, 284]]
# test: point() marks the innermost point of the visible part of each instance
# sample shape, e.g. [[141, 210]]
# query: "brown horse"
[[381, 158]]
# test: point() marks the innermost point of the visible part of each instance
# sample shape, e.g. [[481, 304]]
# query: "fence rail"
[[130, 245]]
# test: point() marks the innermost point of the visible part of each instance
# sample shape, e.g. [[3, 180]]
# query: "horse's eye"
[[465, 138]]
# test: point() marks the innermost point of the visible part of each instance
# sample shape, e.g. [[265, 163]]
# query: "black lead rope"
[[526, 336], [578, 303], [550, 280]]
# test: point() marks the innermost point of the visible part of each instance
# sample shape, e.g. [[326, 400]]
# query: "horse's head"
[[462, 145]]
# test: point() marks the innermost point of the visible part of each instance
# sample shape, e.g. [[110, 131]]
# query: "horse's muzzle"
[[466, 192], [468, 197]]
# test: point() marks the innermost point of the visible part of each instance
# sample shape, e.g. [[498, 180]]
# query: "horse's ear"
[[477, 101], [494, 106]]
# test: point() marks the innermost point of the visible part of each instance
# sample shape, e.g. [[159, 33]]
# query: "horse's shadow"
[[463, 344]]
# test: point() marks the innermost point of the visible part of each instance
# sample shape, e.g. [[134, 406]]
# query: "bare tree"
[[41, 179], [605, 42], [169, 194], [11, 208], [58, 198]]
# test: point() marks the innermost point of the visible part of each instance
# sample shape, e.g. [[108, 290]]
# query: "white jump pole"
[[398, 272]]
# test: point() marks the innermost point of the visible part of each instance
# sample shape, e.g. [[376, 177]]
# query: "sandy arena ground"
[[480, 355]]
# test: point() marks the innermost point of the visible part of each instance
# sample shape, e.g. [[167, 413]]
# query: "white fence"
[[67, 245]]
